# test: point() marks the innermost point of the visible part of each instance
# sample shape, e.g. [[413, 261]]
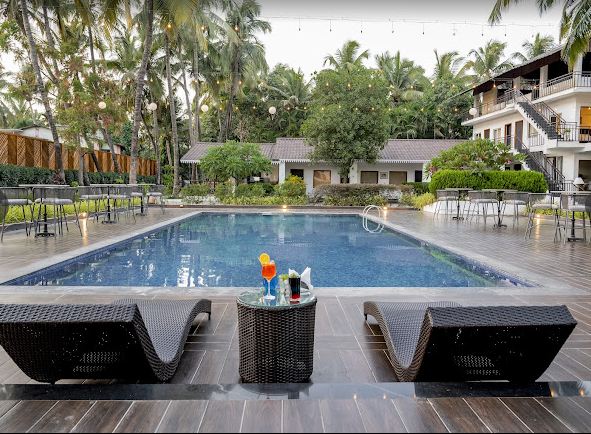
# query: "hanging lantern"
[[102, 105], [204, 108], [152, 107], [272, 110], [473, 111]]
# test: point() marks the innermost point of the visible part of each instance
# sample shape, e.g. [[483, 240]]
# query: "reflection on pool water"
[[221, 250]]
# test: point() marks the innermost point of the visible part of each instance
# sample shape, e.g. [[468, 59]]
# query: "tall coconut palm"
[[347, 57], [487, 62], [139, 87], [575, 24], [540, 45], [404, 77], [243, 51], [41, 88], [448, 65]]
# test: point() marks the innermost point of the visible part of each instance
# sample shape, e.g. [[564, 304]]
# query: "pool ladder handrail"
[[380, 226]]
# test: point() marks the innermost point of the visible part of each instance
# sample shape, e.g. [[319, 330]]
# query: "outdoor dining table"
[[573, 236], [499, 191], [461, 192], [31, 187]]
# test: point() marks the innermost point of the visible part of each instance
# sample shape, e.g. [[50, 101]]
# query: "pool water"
[[222, 250]]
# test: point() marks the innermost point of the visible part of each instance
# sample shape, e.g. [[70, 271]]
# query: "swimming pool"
[[221, 250]]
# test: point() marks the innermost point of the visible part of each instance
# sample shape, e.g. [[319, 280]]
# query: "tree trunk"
[[140, 79], [42, 91], [197, 86], [175, 139], [91, 46], [168, 154], [229, 106], [156, 129], [187, 100], [80, 164], [109, 140], [50, 41]]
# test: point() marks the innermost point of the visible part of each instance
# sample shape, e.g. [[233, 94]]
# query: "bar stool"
[[138, 192], [157, 192], [447, 197], [543, 202], [516, 199], [573, 203], [480, 201], [17, 197], [90, 195], [58, 198], [123, 196]]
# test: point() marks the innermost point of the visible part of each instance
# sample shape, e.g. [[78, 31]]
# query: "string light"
[[299, 25], [236, 28], [169, 25], [330, 25]]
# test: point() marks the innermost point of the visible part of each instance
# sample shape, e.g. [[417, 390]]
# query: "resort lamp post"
[[272, 111]]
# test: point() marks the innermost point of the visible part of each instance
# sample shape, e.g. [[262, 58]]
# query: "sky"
[[305, 31]]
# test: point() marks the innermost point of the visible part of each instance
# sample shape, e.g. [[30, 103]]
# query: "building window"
[[478, 136], [487, 134], [369, 177], [397, 178], [497, 135], [418, 176], [321, 177], [297, 172]]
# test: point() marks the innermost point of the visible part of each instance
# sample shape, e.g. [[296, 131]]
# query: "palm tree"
[[243, 51], [575, 25], [139, 86], [405, 79], [41, 88], [448, 66], [347, 57], [537, 47], [487, 62]]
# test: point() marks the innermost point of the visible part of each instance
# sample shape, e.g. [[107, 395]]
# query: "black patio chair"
[[445, 342], [129, 339]]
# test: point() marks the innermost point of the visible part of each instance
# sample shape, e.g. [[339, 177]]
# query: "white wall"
[[409, 168]]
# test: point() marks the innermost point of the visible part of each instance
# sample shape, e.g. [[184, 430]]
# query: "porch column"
[[353, 171], [281, 171], [543, 74], [578, 66]]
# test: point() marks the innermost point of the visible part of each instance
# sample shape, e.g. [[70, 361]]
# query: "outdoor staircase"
[[540, 115]]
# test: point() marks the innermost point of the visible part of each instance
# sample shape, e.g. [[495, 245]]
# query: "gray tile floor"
[[348, 349]]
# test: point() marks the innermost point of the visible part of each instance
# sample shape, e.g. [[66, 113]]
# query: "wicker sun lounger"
[[129, 339], [447, 342]]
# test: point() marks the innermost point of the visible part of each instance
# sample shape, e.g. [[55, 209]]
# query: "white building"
[[400, 161], [542, 110]]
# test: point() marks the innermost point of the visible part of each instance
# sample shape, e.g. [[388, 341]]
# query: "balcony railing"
[[564, 82]]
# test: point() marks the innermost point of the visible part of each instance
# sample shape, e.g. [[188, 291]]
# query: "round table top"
[[254, 298]]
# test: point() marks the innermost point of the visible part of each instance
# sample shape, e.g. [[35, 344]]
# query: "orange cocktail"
[[269, 271]]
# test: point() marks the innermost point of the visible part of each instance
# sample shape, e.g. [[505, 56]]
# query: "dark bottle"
[[294, 285]]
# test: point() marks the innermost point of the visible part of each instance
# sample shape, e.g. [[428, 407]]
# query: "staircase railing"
[[564, 82]]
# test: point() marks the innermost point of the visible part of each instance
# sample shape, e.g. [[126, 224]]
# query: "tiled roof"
[[296, 150]]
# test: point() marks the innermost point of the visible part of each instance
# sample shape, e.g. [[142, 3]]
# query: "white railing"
[[366, 212]]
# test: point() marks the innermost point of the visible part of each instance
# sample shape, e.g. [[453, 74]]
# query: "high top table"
[[142, 184], [461, 192], [499, 191], [573, 236], [31, 187], [108, 220]]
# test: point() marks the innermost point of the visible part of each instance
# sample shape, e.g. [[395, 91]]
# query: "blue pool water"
[[221, 250]]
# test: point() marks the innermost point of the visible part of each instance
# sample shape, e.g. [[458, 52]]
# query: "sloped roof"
[[298, 150]]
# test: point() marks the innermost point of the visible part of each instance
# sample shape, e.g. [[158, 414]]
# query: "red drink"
[[269, 271]]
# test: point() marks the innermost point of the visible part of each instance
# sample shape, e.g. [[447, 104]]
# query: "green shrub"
[[267, 200], [356, 193], [417, 188], [407, 199], [423, 200], [12, 176], [293, 186], [522, 180], [223, 190], [250, 190], [355, 200], [268, 187], [193, 190]]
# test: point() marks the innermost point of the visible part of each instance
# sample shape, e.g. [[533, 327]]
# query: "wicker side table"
[[276, 341]]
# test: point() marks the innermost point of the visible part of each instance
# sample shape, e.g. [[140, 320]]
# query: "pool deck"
[[352, 385]]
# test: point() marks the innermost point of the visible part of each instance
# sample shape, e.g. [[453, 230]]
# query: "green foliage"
[[266, 201], [250, 190], [234, 160], [348, 117], [198, 190], [223, 190], [355, 200], [523, 180], [356, 190], [422, 200], [293, 186], [475, 155], [417, 187], [12, 176]]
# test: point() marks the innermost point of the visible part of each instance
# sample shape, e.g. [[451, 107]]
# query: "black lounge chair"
[[444, 341], [129, 339]]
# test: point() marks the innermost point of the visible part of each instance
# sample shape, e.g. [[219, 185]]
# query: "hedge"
[[13, 176], [417, 188], [355, 193], [523, 180]]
